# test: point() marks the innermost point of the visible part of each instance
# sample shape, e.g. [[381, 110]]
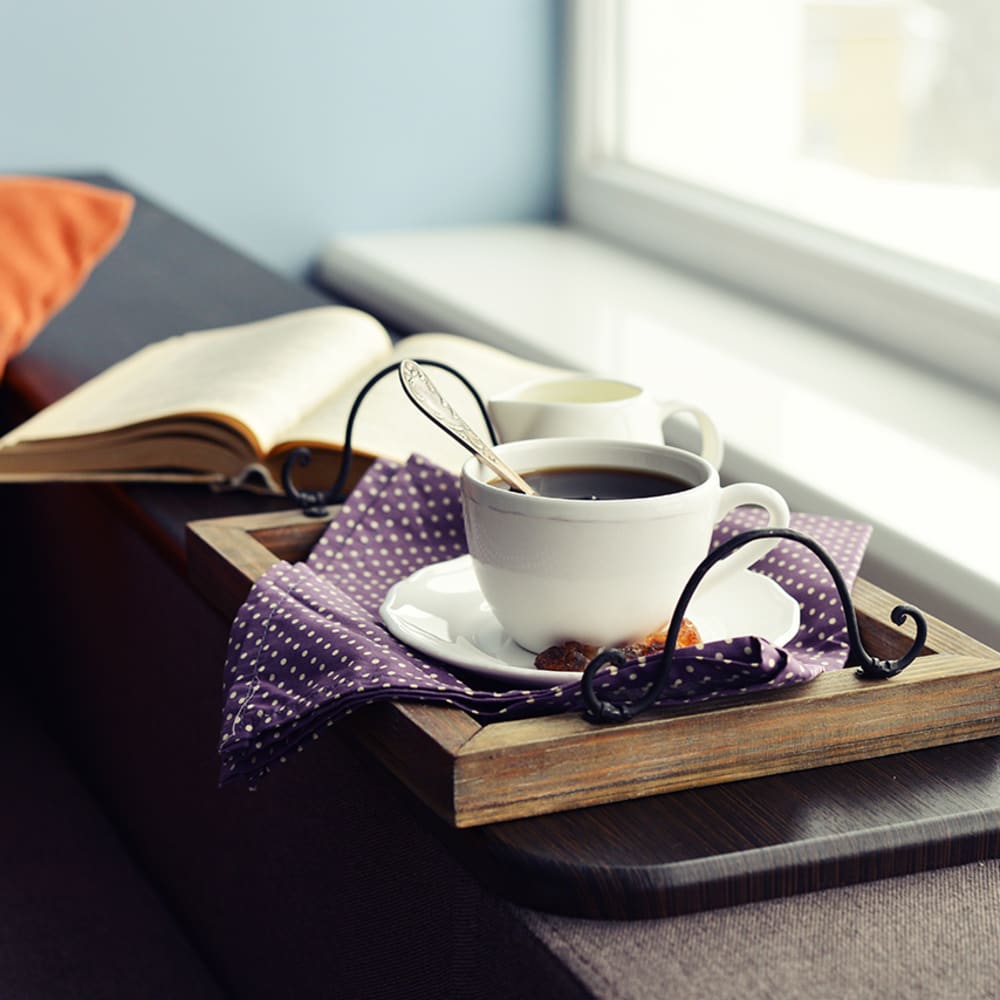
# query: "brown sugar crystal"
[[573, 657]]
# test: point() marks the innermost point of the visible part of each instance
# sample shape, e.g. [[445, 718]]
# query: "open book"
[[226, 406]]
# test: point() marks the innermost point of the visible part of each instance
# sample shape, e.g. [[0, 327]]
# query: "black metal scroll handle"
[[871, 668], [314, 502]]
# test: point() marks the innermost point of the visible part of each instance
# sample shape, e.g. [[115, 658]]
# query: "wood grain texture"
[[226, 555], [545, 765], [419, 744], [472, 775], [750, 840]]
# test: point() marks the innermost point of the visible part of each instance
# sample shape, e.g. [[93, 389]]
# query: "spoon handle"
[[426, 395]]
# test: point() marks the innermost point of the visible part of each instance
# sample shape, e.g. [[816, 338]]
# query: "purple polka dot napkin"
[[308, 645]]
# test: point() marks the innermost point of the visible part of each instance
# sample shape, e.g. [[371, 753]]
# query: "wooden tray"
[[472, 774]]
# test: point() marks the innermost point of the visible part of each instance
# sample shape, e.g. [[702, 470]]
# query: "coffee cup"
[[605, 570], [591, 407]]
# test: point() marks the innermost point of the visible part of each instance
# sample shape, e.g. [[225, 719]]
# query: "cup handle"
[[711, 439], [778, 516]]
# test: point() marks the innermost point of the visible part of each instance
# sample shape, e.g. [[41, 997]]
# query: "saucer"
[[440, 611]]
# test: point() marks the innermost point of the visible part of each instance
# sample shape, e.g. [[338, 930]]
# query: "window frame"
[[917, 311]]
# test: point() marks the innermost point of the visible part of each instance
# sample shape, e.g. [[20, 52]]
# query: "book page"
[[265, 375], [389, 425]]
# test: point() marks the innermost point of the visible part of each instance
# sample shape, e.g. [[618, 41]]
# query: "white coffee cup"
[[598, 571], [591, 407]]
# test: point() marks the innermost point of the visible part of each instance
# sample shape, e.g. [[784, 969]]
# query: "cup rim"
[[477, 478]]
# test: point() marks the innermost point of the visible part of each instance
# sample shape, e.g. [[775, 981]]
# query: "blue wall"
[[276, 123]]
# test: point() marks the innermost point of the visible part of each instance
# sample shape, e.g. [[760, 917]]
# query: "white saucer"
[[440, 611]]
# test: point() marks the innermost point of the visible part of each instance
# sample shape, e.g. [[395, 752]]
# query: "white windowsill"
[[837, 427]]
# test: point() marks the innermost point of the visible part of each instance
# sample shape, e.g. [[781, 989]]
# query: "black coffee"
[[597, 483]]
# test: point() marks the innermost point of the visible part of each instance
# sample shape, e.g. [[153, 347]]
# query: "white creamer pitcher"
[[592, 407]]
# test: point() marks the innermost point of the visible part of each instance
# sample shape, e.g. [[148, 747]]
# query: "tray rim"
[[472, 774]]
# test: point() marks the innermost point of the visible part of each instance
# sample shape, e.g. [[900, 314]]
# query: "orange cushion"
[[53, 232]]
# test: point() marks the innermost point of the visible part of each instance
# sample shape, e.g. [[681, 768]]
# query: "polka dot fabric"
[[308, 646]]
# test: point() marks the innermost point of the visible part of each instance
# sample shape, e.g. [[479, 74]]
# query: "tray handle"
[[314, 503], [871, 668]]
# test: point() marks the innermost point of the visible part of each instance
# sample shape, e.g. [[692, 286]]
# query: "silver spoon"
[[427, 397]]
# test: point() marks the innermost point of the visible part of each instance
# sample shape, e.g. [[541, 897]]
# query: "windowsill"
[[835, 426]]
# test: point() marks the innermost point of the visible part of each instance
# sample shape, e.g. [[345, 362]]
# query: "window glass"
[[879, 119]]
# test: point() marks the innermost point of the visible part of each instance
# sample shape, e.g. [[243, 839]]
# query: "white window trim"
[[916, 310], [909, 453]]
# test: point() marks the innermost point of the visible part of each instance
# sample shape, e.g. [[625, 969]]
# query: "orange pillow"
[[53, 232]]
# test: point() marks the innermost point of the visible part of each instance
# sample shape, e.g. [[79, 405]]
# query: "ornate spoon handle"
[[427, 397]]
